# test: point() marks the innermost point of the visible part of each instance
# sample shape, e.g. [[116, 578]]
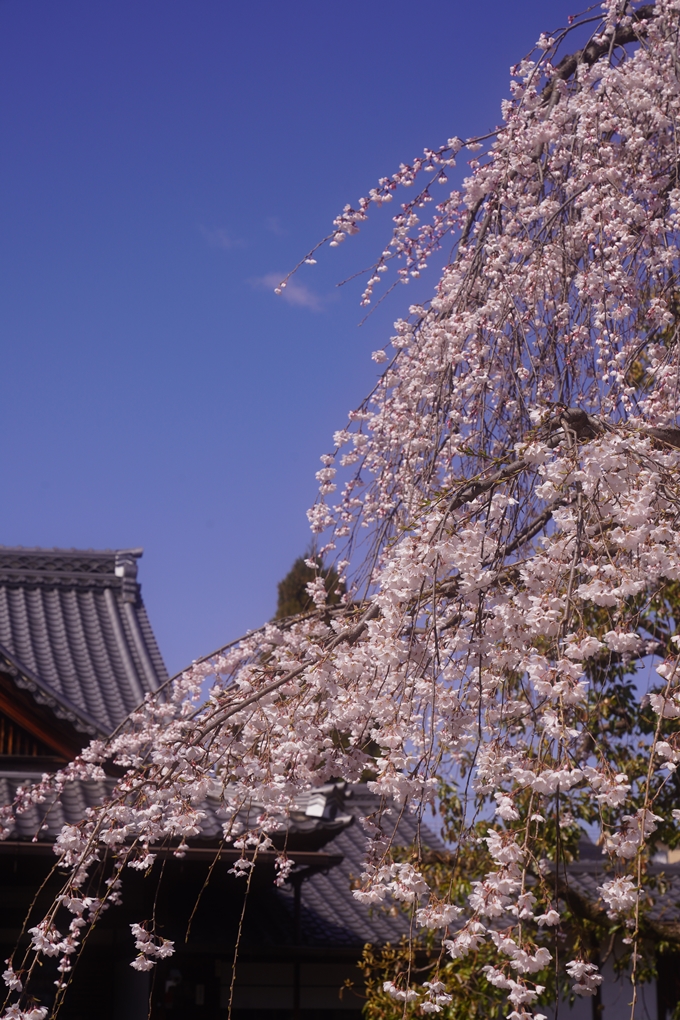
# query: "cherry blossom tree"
[[503, 511]]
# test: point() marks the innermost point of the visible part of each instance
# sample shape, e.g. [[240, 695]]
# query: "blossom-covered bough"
[[508, 525]]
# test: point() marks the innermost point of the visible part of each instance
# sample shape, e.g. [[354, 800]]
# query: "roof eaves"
[[44, 694]]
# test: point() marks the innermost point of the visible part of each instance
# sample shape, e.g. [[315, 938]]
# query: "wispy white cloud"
[[294, 293], [273, 223], [218, 237]]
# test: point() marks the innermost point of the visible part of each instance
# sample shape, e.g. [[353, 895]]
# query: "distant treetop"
[[293, 595]]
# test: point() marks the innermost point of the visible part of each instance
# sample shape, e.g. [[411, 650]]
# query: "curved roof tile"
[[75, 633]]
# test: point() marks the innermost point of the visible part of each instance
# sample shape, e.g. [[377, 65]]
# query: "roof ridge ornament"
[[126, 569]]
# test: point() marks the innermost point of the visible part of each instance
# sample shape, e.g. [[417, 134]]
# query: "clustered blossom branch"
[[508, 514]]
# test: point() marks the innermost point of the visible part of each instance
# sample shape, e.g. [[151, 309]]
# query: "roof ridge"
[[71, 551]]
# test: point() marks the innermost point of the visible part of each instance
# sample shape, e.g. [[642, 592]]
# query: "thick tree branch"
[[595, 49]]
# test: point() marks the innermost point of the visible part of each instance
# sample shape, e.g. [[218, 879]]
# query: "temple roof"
[[74, 633], [325, 840], [330, 913]]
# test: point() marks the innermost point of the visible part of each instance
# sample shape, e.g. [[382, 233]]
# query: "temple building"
[[77, 654]]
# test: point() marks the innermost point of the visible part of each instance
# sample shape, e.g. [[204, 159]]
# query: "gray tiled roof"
[[44, 821], [74, 632], [584, 877], [330, 915]]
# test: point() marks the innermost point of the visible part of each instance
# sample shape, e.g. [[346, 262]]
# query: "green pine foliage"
[[293, 596]]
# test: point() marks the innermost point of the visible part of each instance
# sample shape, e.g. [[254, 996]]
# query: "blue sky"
[[162, 161]]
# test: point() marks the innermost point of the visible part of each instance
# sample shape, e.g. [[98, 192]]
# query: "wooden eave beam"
[[15, 708]]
